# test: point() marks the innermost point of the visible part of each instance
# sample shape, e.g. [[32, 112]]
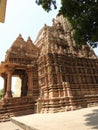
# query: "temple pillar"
[[8, 93], [24, 86], [30, 83], [64, 89], [69, 93], [4, 76]]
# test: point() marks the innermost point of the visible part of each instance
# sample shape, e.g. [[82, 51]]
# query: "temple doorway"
[[20, 79], [16, 86]]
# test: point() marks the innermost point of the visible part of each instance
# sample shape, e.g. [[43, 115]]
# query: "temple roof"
[[58, 39], [22, 49]]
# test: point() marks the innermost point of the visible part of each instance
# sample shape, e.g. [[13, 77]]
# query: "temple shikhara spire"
[[56, 74]]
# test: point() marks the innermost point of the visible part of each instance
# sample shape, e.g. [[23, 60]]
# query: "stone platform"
[[16, 106], [83, 119]]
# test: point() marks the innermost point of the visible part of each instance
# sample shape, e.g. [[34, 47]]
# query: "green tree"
[[47, 4], [82, 14]]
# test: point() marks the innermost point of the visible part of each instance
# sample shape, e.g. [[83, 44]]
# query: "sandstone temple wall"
[[67, 83], [67, 73]]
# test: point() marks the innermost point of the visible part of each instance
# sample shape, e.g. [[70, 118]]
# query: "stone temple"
[[56, 74]]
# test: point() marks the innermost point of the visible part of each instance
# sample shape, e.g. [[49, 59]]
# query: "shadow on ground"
[[92, 119]]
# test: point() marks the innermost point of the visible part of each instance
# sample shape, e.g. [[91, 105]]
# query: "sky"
[[23, 17]]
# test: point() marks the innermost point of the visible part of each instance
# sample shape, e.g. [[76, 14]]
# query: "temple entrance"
[[9, 71], [23, 79], [16, 86], [16, 77]]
